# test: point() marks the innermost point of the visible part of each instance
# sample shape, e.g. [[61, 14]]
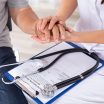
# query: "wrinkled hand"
[[41, 36], [52, 25], [51, 29]]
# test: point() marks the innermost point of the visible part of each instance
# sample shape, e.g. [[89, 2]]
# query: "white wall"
[[44, 3]]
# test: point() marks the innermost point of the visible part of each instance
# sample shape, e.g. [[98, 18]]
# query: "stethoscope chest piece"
[[48, 90]]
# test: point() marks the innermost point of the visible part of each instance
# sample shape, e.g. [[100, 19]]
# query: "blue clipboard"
[[38, 101]]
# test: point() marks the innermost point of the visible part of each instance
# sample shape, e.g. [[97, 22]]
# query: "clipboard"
[[50, 101]]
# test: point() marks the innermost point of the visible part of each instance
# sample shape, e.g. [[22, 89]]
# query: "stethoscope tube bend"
[[49, 89]]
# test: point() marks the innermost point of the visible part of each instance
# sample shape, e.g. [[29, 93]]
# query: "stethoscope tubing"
[[61, 54]]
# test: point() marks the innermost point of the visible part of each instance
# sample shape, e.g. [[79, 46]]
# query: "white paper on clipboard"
[[67, 67]]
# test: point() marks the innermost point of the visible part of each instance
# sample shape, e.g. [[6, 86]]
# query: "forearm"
[[66, 9], [24, 18], [87, 37]]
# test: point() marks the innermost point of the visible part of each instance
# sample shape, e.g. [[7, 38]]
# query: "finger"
[[51, 39], [41, 36], [69, 29], [39, 24], [45, 22], [38, 40], [62, 31], [47, 36], [40, 33], [55, 33], [34, 29], [32, 36], [62, 23], [53, 21]]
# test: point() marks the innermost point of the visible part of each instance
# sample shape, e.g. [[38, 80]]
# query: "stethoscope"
[[48, 89]]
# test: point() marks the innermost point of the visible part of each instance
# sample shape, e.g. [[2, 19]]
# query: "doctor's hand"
[[51, 21], [45, 35], [57, 34], [53, 25], [72, 37]]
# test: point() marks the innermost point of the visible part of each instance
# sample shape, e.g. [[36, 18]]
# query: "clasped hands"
[[51, 29]]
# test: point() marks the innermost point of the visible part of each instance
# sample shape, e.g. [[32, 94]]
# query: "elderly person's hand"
[[53, 28]]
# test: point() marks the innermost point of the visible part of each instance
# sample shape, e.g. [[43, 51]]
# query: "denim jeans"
[[9, 94]]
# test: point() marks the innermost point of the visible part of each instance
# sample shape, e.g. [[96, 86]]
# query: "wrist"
[[75, 36], [60, 17], [30, 26]]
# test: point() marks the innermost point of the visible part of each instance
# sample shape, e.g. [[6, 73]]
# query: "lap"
[[9, 94], [89, 91]]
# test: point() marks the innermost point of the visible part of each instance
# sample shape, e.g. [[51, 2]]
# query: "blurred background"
[[22, 43]]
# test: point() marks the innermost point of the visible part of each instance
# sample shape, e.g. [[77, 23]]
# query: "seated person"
[[27, 21]]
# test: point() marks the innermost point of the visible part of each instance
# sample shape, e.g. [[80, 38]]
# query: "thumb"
[[69, 29]]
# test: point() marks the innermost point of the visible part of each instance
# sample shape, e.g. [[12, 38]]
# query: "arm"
[[66, 9], [86, 37], [24, 18]]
